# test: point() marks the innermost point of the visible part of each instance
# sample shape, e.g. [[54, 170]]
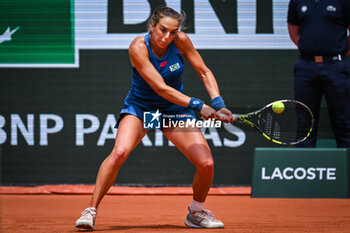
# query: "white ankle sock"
[[93, 209], [197, 206]]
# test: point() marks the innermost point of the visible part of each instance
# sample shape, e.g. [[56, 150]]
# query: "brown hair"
[[163, 11]]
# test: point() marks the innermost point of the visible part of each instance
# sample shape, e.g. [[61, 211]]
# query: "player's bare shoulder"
[[181, 36], [182, 42], [138, 47], [138, 44]]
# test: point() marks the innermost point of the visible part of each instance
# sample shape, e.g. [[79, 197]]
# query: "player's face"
[[164, 32]]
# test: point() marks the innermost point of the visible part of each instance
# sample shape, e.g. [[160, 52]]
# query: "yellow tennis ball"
[[278, 107]]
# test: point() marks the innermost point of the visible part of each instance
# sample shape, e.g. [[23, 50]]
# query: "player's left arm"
[[184, 45], [186, 48]]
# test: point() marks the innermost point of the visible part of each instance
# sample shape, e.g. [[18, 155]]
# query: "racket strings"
[[276, 130], [268, 123]]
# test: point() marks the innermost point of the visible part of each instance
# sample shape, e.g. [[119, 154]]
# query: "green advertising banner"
[[301, 173], [37, 32]]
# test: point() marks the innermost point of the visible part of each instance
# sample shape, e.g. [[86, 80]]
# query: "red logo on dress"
[[163, 64]]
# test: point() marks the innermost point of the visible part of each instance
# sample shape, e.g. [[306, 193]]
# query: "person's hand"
[[208, 113], [226, 115]]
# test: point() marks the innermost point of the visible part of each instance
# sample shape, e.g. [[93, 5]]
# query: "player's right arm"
[[139, 58]]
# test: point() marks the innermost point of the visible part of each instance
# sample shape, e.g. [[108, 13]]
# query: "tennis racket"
[[289, 127]]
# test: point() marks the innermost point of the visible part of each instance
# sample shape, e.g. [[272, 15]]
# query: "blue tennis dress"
[[142, 98]]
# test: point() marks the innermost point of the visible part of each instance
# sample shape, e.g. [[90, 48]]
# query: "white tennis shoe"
[[202, 219], [87, 219]]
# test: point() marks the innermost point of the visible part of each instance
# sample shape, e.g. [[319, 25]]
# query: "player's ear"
[[151, 27]]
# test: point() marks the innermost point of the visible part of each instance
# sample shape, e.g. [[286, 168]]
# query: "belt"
[[323, 59]]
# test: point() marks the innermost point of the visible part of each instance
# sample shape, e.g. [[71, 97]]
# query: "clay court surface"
[[31, 213]]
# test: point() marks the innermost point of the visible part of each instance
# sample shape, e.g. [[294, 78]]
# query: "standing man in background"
[[320, 30]]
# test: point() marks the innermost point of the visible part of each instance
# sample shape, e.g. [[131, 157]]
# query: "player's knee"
[[206, 165], [118, 156]]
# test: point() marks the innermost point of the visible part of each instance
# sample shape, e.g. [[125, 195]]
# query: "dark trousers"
[[332, 79]]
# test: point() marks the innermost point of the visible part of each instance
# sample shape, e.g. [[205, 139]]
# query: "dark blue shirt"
[[323, 26], [170, 67]]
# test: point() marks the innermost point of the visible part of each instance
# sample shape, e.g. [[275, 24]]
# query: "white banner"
[[91, 20], [113, 24]]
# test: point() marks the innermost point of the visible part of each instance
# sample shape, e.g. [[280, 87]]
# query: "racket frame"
[[242, 118]]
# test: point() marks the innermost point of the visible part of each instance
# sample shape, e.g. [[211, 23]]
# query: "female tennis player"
[[157, 66]]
